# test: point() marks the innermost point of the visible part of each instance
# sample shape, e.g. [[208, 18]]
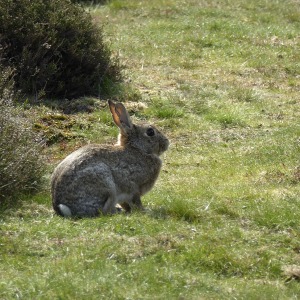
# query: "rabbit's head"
[[146, 138]]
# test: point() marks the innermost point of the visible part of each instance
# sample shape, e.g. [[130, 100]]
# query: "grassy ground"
[[221, 78]]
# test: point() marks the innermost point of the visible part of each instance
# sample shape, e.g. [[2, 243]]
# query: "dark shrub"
[[20, 159], [55, 49]]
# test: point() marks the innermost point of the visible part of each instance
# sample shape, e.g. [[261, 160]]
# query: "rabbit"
[[95, 179]]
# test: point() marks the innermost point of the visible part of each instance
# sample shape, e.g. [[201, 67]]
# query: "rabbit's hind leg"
[[88, 210], [84, 210], [109, 207]]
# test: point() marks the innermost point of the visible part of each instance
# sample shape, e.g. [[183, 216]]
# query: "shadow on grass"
[[119, 91], [182, 213], [27, 205]]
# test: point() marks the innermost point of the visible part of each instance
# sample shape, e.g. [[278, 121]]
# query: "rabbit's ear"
[[120, 116]]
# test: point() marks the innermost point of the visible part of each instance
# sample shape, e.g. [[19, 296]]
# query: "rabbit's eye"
[[150, 132]]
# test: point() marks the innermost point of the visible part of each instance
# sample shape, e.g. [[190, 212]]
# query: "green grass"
[[221, 78]]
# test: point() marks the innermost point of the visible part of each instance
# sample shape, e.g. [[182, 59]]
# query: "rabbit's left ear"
[[120, 116]]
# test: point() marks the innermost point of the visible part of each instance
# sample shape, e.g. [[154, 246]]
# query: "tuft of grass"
[[162, 109]]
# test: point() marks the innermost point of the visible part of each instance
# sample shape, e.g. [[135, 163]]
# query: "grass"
[[221, 78]]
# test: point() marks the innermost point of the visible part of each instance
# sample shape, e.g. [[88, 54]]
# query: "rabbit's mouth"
[[163, 147]]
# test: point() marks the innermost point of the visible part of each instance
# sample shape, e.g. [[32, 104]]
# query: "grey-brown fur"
[[95, 178]]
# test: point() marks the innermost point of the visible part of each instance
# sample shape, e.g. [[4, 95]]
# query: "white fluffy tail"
[[65, 210]]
